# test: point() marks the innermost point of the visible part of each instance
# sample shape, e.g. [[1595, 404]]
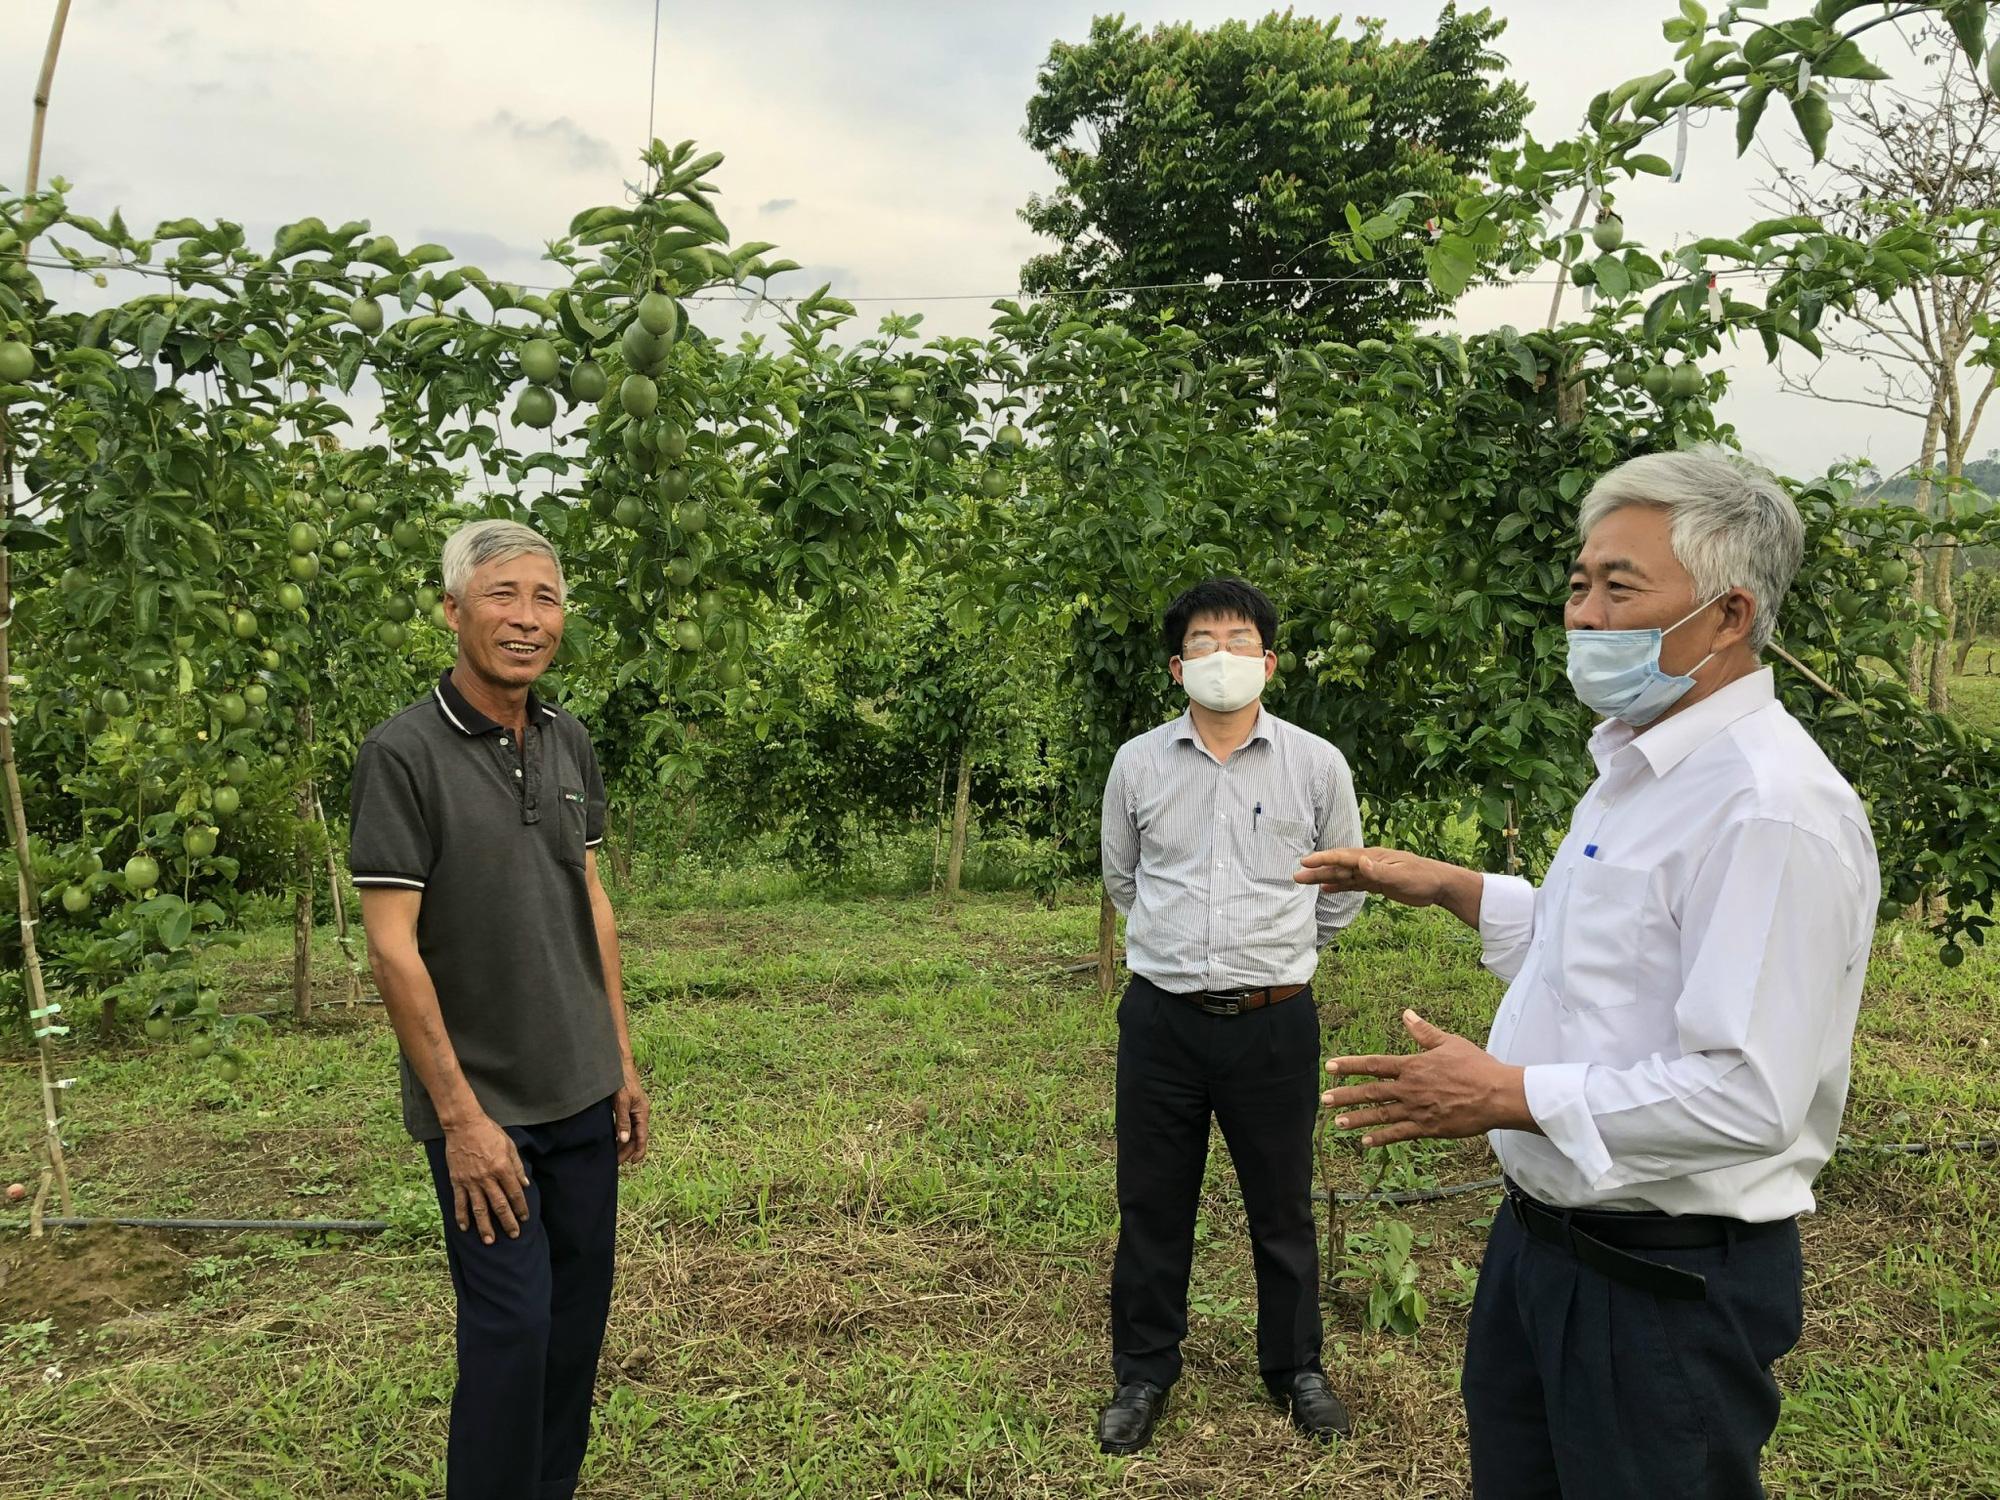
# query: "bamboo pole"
[[42, 85], [40, 1016]]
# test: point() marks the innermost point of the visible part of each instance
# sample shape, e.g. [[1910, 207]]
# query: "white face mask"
[[1223, 681]]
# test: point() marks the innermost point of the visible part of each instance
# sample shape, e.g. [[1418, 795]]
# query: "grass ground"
[[1975, 697], [869, 1255]]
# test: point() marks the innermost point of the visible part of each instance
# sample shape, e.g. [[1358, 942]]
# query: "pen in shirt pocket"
[[1256, 813]]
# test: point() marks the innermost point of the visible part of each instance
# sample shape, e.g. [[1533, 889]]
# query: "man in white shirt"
[[1205, 820], [1666, 1074]]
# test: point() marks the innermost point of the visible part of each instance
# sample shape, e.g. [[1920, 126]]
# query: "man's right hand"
[[1409, 879], [1406, 878], [488, 1183]]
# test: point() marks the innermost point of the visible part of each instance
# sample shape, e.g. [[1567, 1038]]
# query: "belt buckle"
[[1222, 1005]]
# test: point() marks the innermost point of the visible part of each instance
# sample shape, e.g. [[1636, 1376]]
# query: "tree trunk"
[[1940, 696], [1914, 669], [1964, 650], [1107, 947], [302, 911], [961, 816], [336, 883], [336, 887]]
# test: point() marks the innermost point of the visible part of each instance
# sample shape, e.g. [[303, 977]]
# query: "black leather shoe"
[[1316, 1411], [1126, 1425]]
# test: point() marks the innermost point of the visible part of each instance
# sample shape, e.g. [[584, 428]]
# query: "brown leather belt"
[[1234, 1002]]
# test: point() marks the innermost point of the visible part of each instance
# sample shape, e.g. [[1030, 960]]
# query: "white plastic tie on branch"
[[1680, 142], [1714, 300], [1805, 75], [1589, 296]]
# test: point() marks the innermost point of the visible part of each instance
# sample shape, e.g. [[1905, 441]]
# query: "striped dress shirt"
[[1199, 854]]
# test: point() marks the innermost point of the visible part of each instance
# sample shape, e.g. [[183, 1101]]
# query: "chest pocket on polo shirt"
[[1596, 962], [572, 832], [1275, 847]]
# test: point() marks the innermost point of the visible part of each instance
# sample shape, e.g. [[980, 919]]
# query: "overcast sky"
[[878, 143]]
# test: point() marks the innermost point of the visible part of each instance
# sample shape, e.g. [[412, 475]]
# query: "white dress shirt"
[[1199, 854], [1684, 984]]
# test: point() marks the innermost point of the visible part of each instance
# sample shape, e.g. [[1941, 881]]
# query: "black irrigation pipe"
[[295, 1226], [1980, 1143]]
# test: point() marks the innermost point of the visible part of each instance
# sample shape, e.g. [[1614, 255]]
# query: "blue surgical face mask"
[[1617, 672]]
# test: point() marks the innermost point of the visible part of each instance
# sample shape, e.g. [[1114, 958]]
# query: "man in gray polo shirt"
[[1201, 816], [477, 812]]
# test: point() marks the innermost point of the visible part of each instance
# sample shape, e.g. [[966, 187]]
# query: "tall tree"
[[1926, 159], [1186, 155]]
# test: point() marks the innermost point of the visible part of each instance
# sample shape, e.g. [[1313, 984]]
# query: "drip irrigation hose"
[[295, 1226]]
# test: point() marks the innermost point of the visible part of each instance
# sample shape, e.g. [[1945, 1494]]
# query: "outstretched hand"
[[1450, 1089], [1408, 879]]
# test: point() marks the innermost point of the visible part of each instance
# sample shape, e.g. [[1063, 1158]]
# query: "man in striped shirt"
[[1205, 819]]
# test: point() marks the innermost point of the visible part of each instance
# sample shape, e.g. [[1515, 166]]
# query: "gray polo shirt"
[[492, 829], [1199, 854]]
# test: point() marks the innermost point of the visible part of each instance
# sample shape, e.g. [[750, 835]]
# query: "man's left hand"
[[632, 1112], [1452, 1088]]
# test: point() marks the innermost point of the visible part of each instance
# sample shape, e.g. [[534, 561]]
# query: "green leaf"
[[685, 215], [1657, 166], [177, 925], [1967, 19], [1656, 314], [1815, 119], [1846, 60], [1611, 276], [1450, 263]]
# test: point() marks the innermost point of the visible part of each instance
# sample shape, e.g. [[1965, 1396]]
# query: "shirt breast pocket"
[[1276, 847], [572, 833], [1603, 921]]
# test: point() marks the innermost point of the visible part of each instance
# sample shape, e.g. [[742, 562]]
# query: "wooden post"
[[961, 816], [1513, 834], [302, 910], [1107, 947]]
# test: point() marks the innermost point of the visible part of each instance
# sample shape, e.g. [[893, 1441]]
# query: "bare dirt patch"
[[83, 1279]]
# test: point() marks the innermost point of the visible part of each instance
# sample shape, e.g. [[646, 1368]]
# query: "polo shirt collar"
[[469, 721], [1184, 728], [1665, 746]]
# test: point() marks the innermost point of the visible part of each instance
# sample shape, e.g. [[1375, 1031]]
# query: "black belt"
[[1604, 1240]]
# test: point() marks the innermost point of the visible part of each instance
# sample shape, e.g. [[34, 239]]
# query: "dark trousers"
[[531, 1315], [1581, 1387], [1257, 1073]]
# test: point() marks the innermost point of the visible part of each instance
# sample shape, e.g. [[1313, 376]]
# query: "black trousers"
[[1581, 1387], [531, 1314], [1257, 1074]]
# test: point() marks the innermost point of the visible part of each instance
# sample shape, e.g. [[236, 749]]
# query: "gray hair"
[[1732, 524], [477, 543]]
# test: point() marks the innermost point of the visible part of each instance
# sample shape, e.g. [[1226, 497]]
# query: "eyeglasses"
[[1239, 642]]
